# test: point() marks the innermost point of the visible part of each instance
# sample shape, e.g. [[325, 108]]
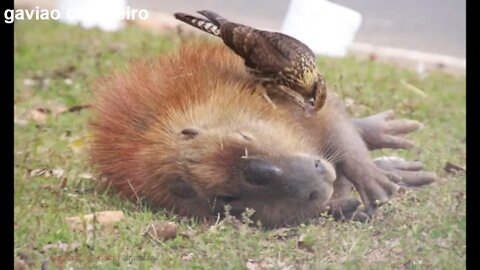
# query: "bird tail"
[[213, 17], [211, 27]]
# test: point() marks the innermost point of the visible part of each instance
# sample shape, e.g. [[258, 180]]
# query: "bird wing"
[[261, 53], [294, 60], [287, 45], [274, 52]]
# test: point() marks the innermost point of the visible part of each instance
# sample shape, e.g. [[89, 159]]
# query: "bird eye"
[[311, 102]]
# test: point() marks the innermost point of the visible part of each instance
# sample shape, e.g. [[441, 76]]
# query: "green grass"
[[422, 229]]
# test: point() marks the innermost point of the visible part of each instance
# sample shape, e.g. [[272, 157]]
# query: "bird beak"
[[308, 110]]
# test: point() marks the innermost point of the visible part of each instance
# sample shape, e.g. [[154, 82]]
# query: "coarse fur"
[[186, 134], [176, 134]]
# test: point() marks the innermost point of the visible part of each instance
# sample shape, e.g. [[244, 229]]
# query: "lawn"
[[55, 66]]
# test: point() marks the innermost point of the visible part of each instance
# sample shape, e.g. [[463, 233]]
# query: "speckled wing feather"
[[274, 54], [276, 51], [257, 47], [287, 46]]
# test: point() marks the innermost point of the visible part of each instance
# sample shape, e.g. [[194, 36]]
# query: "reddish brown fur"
[[138, 145]]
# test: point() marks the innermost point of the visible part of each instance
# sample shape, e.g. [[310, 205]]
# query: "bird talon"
[[267, 98]]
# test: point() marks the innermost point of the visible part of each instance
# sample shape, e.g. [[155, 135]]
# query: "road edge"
[[420, 62]]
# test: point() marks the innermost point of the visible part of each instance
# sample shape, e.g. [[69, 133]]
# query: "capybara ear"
[[180, 186], [190, 133]]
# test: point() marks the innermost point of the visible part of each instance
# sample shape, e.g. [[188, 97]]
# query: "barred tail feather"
[[199, 23], [213, 17]]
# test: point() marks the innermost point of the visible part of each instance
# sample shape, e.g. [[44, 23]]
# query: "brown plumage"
[[279, 62]]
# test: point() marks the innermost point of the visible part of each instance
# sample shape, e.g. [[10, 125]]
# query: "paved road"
[[433, 26], [436, 26]]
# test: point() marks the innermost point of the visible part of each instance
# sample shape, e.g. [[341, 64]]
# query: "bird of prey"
[[277, 61]]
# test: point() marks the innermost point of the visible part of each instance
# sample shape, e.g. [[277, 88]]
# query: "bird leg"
[[259, 87], [289, 93], [264, 93]]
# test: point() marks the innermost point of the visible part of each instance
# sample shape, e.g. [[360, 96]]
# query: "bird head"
[[315, 94]]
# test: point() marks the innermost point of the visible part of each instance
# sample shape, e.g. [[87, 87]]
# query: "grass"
[[54, 66]]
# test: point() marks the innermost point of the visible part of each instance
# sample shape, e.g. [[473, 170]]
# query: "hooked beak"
[[308, 110]]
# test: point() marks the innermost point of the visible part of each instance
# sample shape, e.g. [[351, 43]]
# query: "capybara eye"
[[190, 133]]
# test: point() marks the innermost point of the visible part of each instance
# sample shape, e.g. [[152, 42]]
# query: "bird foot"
[[267, 98]]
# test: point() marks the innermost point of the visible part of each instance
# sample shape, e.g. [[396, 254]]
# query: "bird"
[[278, 62]]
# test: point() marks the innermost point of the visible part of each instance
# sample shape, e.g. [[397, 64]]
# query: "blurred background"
[[427, 34], [435, 26]]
